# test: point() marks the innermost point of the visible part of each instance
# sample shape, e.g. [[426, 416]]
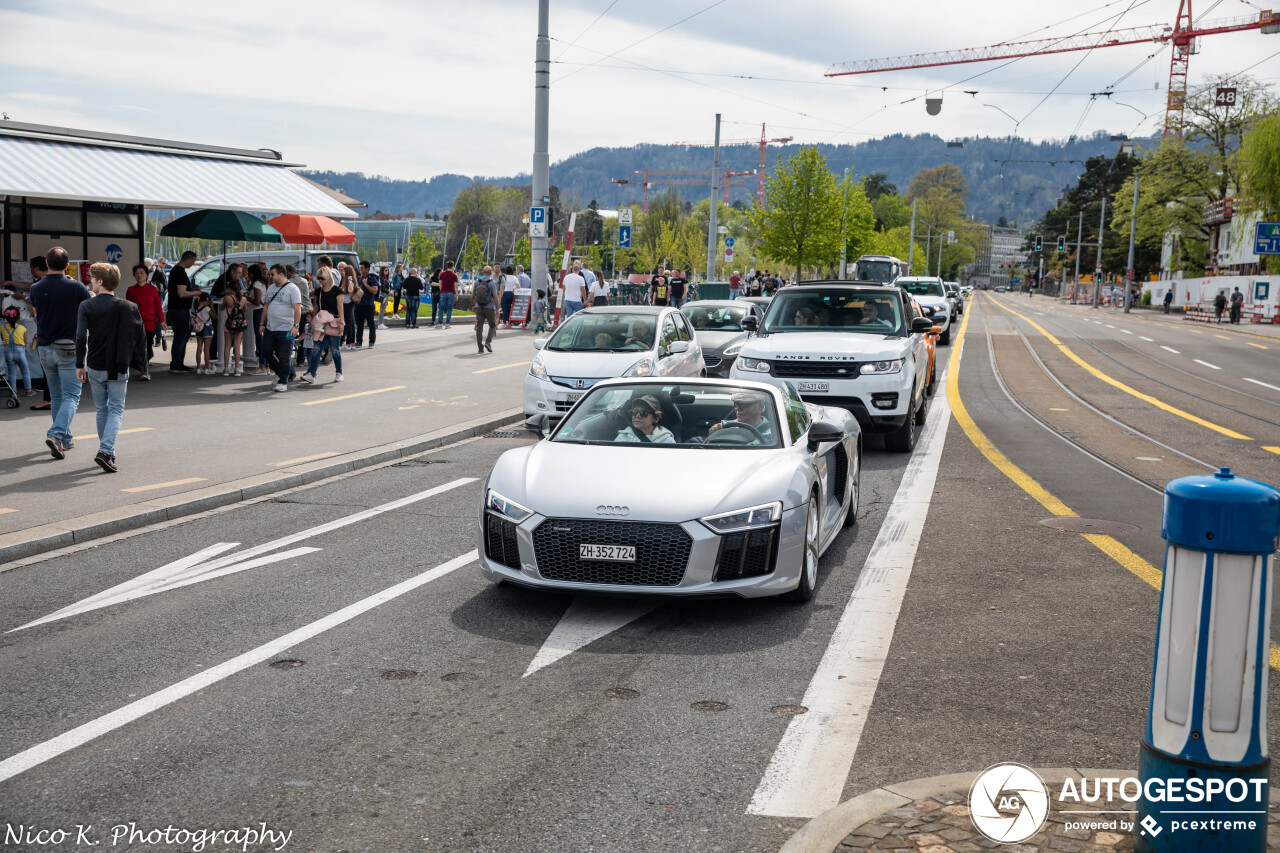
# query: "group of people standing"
[[1221, 303], [758, 283]]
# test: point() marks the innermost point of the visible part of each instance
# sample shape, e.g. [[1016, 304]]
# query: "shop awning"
[[68, 170]]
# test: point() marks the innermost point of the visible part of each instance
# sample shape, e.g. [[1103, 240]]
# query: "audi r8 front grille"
[[836, 369], [662, 551], [747, 555], [500, 544]]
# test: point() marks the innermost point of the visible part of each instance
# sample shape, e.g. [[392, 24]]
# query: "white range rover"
[[851, 346], [931, 292]]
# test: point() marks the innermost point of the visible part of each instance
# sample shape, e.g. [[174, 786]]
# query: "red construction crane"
[[698, 178], [1182, 35], [763, 142]]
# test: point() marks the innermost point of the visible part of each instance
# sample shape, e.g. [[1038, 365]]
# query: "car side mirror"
[[749, 324], [541, 424], [920, 325], [539, 343], [678, 347], [823, 433]]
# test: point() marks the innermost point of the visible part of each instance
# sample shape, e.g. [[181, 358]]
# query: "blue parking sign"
[[624, 236]]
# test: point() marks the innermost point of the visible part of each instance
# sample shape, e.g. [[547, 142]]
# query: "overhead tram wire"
[[579, 36], [646, 38]]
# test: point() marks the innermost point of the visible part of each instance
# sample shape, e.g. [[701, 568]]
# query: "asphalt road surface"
[[343, 673]]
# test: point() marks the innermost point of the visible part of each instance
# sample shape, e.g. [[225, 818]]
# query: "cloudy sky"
[[414, 88]]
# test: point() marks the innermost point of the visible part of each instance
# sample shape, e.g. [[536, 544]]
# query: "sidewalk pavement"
[[1175, 318], [190, 443], [931, 815]]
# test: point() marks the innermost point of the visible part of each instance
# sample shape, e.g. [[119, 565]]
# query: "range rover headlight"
[[538, 369], [506, 508], [753, 365], [882, 367], [745, 519]]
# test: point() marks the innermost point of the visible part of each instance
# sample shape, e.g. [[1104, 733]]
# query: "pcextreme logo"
[[1008, 803]]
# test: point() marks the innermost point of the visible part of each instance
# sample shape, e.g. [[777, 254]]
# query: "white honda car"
[[602, 343]]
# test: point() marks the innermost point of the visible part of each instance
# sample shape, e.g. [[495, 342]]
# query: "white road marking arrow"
[[201, 566], [586, 620]]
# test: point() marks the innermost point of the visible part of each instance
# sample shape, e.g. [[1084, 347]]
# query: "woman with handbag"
[[327, 328], [349, 296]]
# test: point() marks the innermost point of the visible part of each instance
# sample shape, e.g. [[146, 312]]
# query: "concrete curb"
[[824, 833], [77, 531]]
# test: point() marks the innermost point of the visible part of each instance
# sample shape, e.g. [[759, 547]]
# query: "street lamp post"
[[1128, 270], [541, 246]]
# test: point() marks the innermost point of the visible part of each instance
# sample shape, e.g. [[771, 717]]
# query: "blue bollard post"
[[1204, 765]]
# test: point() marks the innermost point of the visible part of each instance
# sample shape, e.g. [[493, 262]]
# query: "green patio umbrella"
[[224, 225]]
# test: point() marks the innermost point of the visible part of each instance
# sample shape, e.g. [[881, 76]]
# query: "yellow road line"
[[352, 396], [121, 432], [167, 485], [1259, 346], [1147, 398], [1195, 331], [1108, 545], [503, 367], [1224, 337], [1272, 449], [302, 459]]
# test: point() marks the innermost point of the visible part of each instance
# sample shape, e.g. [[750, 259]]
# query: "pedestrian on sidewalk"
[[202, 328], [56, 299], [539, 312], [367, 306], [350, 296], [39, 269], [508, 286], [144, 294], [411, 288], [236, 320], [328, 319], [1219, 305], [110, 338], [397, 288], [679, 287], [448, 294], [574, 287], [1237, 306], [383, 296], [735, 282], [255, 289], [435, 295], [523, 277], [181, 293], [1168, 299], [280, 322], [598, 293], [659, 289], [482, 302], [13, 337]]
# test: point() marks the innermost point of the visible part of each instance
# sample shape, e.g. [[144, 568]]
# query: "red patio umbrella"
[[297, 228]]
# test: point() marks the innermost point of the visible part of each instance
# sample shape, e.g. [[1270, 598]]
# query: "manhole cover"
[[1089, 525], [286, 664], [399, 674], [622, 693], [459, 676], [789, 710], [709, 706]]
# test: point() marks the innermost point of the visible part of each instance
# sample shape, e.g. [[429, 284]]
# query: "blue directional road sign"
[[728, 242], [624, 236], [1266, 240]]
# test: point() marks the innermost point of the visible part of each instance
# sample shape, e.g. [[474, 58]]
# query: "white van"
[[306, 260]]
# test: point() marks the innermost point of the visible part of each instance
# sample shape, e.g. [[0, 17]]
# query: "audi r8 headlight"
[[882, 367], [538, 369], [506, 508], [643, 367], [753, 365], [745, 519]]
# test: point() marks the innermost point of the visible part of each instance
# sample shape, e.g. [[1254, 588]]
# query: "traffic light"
[[1039, 246], [1062, 244]]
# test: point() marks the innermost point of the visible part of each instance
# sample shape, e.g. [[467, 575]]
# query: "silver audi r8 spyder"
[[688, 487]]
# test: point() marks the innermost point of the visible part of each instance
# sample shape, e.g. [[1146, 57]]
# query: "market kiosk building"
[[88, 192]]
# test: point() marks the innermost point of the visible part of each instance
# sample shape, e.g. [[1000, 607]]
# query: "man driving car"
[[748, 408]]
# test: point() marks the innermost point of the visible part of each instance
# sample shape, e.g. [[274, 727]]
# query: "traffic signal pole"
[[1129, 273], [1079, 234], [1097, 275]]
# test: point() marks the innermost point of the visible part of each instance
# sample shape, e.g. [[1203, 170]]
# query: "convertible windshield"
[[604, 333], [835, 310], [697, 416], [716, 318], [922, 288]]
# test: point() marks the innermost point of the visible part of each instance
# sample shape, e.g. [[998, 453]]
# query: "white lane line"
[[807, 773], [1206, 364], [80, 735], [1126, 331], [586, 620], [1263, 384], [1109, 326], [194, 568], [1170, 349], [1145, 338]]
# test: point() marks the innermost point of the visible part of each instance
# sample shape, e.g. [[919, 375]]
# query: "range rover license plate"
[[610, 553], [822, 387]]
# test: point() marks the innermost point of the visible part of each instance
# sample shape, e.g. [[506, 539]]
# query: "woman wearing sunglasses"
[[646, 415]]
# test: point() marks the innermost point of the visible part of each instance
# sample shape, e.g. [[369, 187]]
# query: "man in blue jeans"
[[56, 301], [367, 306], [109, 338]]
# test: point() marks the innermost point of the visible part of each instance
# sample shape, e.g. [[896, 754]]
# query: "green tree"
[[473, 254], [799, 224], [857, 219], [877, 184], [1260, 172], [422, 249], [380, 254], [524, 252]]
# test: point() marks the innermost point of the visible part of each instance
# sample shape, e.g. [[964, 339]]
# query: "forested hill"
[[1019, 180]]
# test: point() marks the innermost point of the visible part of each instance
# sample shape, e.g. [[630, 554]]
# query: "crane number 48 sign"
[[1226, 97]]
